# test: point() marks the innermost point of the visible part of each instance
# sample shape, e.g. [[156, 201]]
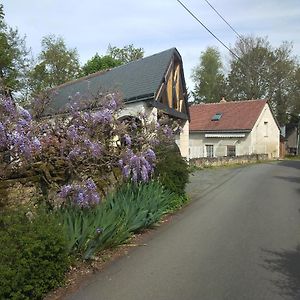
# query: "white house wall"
[[198, 143], [183, 140], [134, 109], [265, 134]]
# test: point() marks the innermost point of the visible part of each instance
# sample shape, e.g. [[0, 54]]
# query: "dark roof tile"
[[136, 80]]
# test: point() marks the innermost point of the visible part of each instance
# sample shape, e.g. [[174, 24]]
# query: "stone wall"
[[223, 161], [21, 191]]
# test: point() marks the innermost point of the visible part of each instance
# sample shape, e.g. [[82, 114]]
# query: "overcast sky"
[[156, 25]]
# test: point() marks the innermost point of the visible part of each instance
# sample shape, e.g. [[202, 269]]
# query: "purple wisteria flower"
[[127, 140], [102, 116], [150, 155], [3, 138], [74, 153], [138, 167], [144, 174], [8, 105], [16, 131], [36, 144], [112, 104], [120, 163], [84, 195], [168, 131], [72, 133], [126, 171], [65, 191], [154, 142], [90, 185], [25, 114], [23, 123], [94, 148]]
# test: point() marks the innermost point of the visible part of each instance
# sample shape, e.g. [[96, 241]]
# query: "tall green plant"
[[171, 169], [131, 208]]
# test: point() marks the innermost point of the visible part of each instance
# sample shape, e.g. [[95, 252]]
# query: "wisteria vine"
[[86, 142]]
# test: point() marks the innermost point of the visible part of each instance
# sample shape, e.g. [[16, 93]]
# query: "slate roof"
[[135, 81], [236, 116]]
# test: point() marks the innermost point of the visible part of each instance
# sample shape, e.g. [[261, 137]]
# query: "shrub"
[[171, 169], [33, 258]]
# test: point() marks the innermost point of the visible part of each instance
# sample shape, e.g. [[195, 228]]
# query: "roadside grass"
[[292, 157]]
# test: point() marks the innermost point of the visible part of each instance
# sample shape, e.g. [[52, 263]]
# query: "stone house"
[[153, 85], [233, 129]]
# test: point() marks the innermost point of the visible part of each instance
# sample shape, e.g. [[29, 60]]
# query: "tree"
[[14, 59], [264, 72], [296, 102], [249, 75], [98, 63], [208, 78], [284, 94], [126, 54], [56, 65]]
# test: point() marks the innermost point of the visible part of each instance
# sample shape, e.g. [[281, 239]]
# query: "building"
[[292, 139], [152, 85], [233, 129]]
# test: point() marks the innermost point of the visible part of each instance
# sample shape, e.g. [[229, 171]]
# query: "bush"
[[171, 169], [129, 209], [33, 256]]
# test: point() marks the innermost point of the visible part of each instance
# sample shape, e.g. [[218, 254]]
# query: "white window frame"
[[209, 148]]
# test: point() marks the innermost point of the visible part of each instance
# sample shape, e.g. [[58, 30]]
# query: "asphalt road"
[[238, 240]]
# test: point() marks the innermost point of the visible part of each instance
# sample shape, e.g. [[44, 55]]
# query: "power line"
[[198, 20], [219, 40], [224, 20]]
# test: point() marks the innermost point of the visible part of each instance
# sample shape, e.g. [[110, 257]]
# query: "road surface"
[[238, 240]]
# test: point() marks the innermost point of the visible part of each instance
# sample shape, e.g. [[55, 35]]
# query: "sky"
[[156, 25]]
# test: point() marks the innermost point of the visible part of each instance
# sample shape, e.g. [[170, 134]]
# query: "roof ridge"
[[143, 58], [231, 102], [101, 72]]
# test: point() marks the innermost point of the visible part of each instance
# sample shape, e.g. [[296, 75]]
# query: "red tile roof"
[[236, 115]]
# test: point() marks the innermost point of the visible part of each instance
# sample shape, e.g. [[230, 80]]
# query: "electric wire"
[[224, 20], [219, 40]]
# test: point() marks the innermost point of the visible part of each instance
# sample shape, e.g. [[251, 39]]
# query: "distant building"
[[291, 139], [233, 129]]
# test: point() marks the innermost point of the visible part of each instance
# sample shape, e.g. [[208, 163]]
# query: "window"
[[216, 117], [209, 150], [231, 151], [266, 125]]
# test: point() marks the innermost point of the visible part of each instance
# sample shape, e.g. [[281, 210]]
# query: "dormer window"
[[216, 117]]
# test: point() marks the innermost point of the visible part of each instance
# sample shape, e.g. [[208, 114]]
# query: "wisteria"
[[138, 167], [87, 140], [17, 132], [84, 195]]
